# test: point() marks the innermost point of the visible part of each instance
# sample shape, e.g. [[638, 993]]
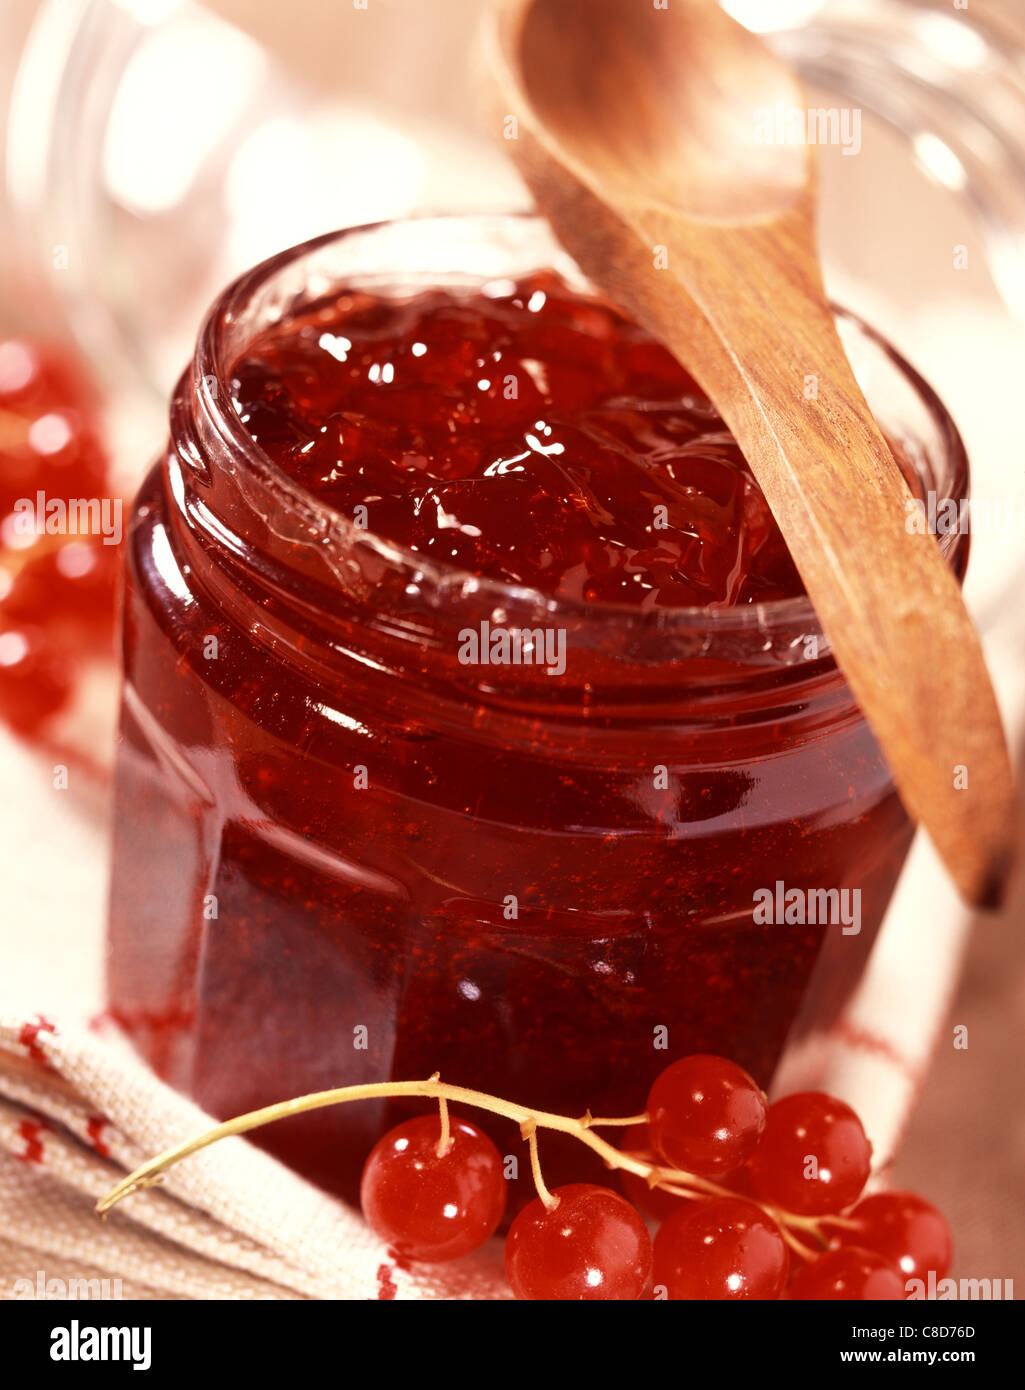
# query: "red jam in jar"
[[520, 431], [473, 703]]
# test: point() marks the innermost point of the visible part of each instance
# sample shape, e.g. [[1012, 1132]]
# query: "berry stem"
[[664, 1177], [845, 1223], [588, 1120], [673, 1180], [528, 1130], [445, 1140], [805, 1251], [431, 1089]]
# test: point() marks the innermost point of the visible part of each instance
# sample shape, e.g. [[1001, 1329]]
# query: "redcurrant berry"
[[48, 426], [591, 1245], [53, 452], [70, 589], [705, 1115], [34, 682], [850, 1273], [429, 1205], [721, 1248], [814, 1156], [739, 1182], [35, 374], [905, 1229]]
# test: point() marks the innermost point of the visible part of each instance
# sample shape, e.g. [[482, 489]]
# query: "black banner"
[[157, 1339]]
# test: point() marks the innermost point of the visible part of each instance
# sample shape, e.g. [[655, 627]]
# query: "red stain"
[[94, 1130], [29, 1037], [879, 1047], [386, 1286], [136, 1020], [32, 1132]]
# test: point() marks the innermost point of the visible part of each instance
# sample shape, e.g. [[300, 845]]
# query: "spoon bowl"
[[648, 102]]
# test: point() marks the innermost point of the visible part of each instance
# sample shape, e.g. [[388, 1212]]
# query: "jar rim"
[[211, 366]]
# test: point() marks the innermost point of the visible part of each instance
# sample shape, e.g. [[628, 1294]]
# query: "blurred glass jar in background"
[[165, 149]]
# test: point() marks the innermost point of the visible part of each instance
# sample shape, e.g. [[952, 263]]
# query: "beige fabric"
[[78, 1110]]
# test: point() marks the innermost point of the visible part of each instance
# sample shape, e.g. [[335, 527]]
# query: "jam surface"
[[522, 432]]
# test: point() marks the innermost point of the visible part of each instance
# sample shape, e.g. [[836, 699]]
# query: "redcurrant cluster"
[[752, 1201], [57, 590]]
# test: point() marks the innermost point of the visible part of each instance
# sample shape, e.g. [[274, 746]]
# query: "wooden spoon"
[[635, 127]]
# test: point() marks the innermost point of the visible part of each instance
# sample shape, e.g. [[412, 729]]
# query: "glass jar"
[[342, 856]]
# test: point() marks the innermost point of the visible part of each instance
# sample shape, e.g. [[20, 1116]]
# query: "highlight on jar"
[[511, 696]]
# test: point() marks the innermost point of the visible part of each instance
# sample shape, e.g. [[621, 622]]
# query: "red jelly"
[[473, 702], [519, 431]]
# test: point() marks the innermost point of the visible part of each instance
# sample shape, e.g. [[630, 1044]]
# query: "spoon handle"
[[744, 310]]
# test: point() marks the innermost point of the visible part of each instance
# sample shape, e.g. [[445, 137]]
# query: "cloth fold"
[[78, 1110]]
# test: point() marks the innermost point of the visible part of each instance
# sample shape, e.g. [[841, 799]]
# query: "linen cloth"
[[78, 1110]]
